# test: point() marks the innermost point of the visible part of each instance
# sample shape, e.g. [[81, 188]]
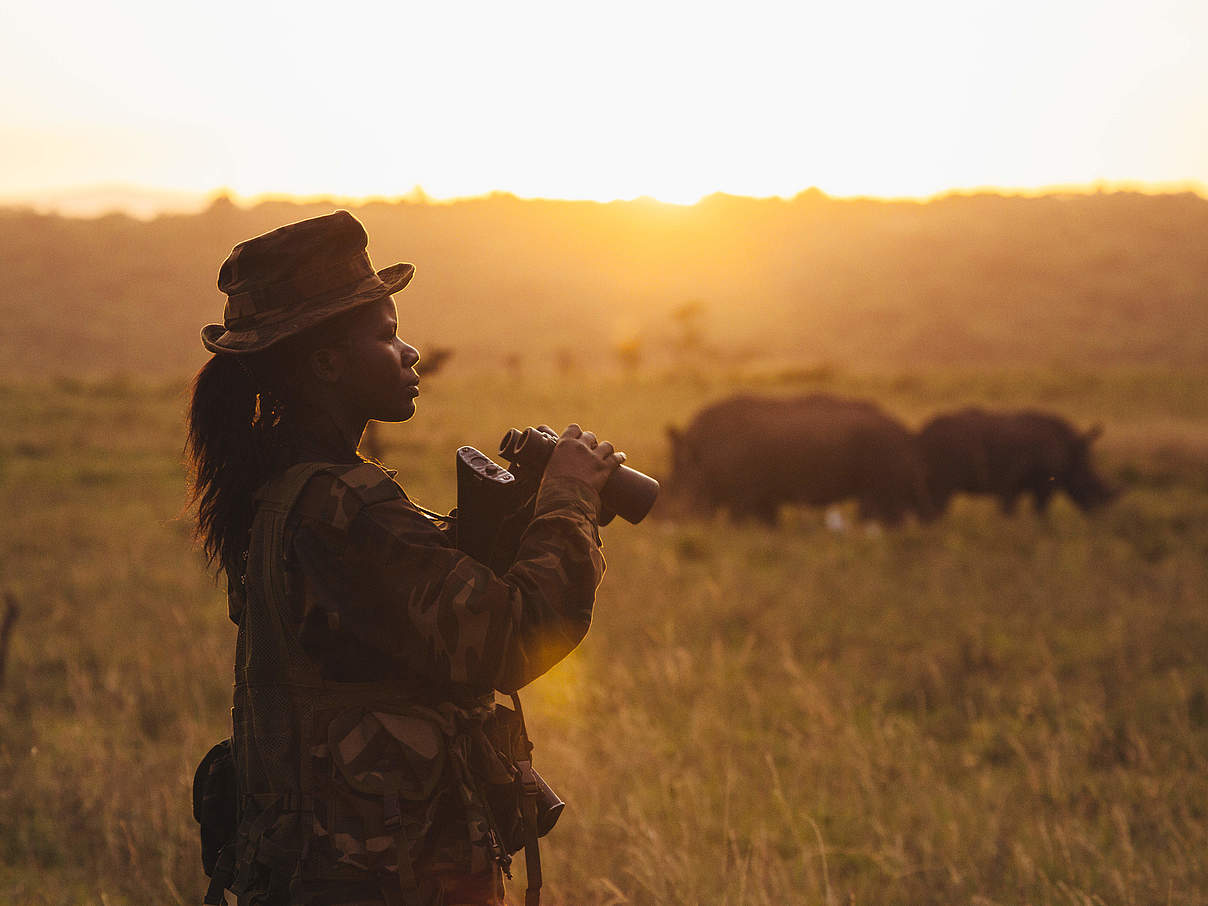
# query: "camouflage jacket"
[[380, 591], [368, 648]]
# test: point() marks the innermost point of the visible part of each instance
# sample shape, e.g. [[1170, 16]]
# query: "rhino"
[[749, 454], [1008, 455]]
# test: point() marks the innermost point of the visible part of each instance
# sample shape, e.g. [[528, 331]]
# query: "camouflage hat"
[[294, 277]]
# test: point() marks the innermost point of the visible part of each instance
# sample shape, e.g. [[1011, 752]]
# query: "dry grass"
[[984, 710]]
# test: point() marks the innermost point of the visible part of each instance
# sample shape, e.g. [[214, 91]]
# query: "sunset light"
[[333, 337], [670, 100]]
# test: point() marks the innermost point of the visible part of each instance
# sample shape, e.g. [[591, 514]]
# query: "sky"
[[673, 100]]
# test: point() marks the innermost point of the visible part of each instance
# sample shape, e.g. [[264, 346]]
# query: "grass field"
[[980, 711]]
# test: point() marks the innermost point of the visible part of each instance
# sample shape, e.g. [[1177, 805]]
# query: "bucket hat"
[[295, 276]]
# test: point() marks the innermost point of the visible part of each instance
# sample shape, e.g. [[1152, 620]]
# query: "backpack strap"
[[274, 502], [281, 493], [237, 860], [223, 877], [529, 791], [405, 843]]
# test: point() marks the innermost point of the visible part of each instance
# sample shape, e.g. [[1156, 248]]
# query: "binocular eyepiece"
[[628, 493]]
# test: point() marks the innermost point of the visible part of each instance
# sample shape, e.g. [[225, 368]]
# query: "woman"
[[369, 647]]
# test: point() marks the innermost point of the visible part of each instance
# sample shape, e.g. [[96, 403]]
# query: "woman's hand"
[[579, 455]]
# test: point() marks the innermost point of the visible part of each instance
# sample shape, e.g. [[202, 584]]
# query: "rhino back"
[[812, 449]]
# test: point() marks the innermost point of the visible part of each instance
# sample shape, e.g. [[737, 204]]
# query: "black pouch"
[[215, 802], [507, 736]]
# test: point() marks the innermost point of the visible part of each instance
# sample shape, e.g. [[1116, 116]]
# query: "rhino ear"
[[1093, 434]]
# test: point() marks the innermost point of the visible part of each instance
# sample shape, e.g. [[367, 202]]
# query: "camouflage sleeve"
[[382, 586]]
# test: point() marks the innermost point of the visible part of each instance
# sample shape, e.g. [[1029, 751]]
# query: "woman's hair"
[[241, 432]]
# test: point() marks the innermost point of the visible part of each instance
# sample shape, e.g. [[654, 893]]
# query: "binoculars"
[[491, 498], [628, 493]]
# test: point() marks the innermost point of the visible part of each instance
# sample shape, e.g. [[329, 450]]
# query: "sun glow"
[[673, 101]]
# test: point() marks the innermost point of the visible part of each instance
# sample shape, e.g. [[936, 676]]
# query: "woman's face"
[[378, 378]]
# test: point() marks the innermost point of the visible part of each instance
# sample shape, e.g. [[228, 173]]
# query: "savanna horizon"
[[146, 201], [1069, 280]]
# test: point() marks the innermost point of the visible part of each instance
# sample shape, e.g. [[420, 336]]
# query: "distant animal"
[[1008, 455], [432, 360], [750, 454]]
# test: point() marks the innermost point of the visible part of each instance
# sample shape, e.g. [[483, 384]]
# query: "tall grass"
[[984, 710]]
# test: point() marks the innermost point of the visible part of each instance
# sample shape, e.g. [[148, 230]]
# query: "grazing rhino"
[[1008, 454], [749, 454]]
